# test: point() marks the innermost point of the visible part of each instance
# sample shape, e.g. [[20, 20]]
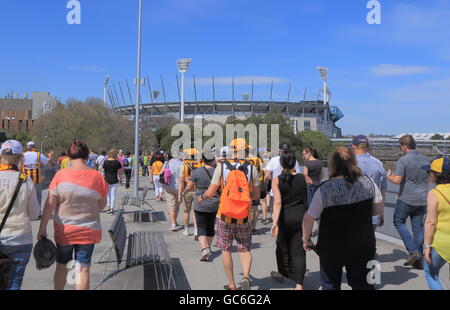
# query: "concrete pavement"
[[190, 273]]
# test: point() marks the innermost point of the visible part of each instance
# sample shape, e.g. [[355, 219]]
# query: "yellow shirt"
[[258, 163], [65, 163], [441, 240], [157, 167]]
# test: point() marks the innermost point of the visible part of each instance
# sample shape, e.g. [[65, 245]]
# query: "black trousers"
[[331, 273], [127, 177], [205, 223], [291, 257]]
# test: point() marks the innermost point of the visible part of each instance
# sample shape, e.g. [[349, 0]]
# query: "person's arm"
[[190, 186], [256, 189], [33, 206], [430, 223], [150, 175], [276, 207], [397, 176], [313, 213], [49, 208], [181, 183]]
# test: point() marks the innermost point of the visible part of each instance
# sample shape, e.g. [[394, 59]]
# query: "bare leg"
[[209, 241], [264, 205], [203, 240], [298, 287], [186, 218], [173, 216], [246, 262], [228, 266], [59, 279], [83, 282]]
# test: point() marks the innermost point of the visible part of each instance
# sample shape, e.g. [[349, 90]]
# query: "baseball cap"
[[30, 144], [225, 151], [440, 165], [12, 147], [239, 144], [361, 141], [191, 152], [284, 146]]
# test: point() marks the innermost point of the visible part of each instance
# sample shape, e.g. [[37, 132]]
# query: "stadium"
[[315, 115]]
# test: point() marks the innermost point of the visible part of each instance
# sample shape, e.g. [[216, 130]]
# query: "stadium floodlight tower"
[[183, 67], [104, 90], [324, 74]]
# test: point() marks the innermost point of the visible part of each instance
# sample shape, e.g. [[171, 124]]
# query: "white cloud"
[[396, 70], [433, 94], [240, 80], [87, 68]]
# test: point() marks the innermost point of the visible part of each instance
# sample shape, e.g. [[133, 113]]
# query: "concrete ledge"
[[389, 239]]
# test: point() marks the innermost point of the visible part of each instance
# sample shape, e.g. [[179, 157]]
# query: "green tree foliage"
[[317, 141], [87, 121], [437, 137]]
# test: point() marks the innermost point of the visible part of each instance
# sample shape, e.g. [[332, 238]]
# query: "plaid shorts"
[[227, 232]]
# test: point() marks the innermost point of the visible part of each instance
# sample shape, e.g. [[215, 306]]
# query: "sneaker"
[[277, 276], [246, 284], [315, 233], [173, 228], [411, 259], [228, 288], [205, 255], [418, 264], [186, 233]]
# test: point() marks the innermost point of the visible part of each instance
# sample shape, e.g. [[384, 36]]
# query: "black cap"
[[284, 146], [361, 141], [44, 253]]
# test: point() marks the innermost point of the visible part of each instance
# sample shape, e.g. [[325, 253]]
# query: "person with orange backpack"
[[239, 183], [190, 164]]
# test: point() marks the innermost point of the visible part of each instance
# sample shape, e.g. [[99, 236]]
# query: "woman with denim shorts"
[[76, 196], [16, 238]]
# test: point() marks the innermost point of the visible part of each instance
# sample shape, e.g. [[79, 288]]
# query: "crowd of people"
[[224, 193]]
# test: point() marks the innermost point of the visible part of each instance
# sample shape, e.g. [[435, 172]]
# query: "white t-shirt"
[[30, 160], [274, 166], [26, 208], [100, 160]]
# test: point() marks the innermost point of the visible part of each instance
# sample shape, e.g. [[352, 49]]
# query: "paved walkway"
[[190, 273]]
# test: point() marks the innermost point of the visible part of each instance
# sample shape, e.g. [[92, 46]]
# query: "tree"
[[99, 127], [317, 141], [437, 137]]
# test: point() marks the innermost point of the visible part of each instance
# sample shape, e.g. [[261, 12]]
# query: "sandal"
[[228, 288], [246, 284]]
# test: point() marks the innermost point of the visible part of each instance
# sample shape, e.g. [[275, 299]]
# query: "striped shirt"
[[77, 215]]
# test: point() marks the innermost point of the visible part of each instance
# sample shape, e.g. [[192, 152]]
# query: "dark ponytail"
[[313, 152], [287, 161]]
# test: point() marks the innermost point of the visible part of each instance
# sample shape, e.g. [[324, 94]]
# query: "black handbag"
[[5, 261]]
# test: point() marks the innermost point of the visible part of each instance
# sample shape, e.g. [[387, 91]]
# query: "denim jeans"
[[432, 270], [403, 210], [20, 254]]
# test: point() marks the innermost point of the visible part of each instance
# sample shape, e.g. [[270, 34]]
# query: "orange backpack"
[[235, 201]]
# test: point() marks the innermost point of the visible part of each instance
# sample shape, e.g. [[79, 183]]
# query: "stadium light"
[[324, 74], [104, 90], [183, 67]]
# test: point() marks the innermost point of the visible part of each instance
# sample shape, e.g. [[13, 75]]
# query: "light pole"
[[324, 74], [104, 90], [138, 97], [183, 67]]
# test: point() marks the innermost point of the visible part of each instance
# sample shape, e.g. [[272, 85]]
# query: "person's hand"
[[381, 220], [307, 245], [180, 197], [274, 230], [427, 254], [42, 234]]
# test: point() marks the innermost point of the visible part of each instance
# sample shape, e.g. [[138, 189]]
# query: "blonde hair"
[[112, 153], [11, 159]]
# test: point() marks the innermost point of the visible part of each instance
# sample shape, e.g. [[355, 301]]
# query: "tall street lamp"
[[104, 90], [324, 74], [183, 67], [138, 97]]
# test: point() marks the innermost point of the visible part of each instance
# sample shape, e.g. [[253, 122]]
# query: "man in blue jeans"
[[412, 199]]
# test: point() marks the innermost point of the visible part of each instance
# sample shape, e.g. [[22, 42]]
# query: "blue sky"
[[388, 79]]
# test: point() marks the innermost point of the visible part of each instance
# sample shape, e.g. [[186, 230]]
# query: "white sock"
[[174, 225], [195, 231]]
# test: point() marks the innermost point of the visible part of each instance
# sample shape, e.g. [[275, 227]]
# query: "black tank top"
[[293, 201]]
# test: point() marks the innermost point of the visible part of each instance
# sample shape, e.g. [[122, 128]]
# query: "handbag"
[[5, 261]]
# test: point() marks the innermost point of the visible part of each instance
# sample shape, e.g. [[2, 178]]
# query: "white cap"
[[30, 144], [11, 147], [225, 151]]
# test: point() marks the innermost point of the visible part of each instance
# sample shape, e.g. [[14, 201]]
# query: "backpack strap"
[[207, 172]]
